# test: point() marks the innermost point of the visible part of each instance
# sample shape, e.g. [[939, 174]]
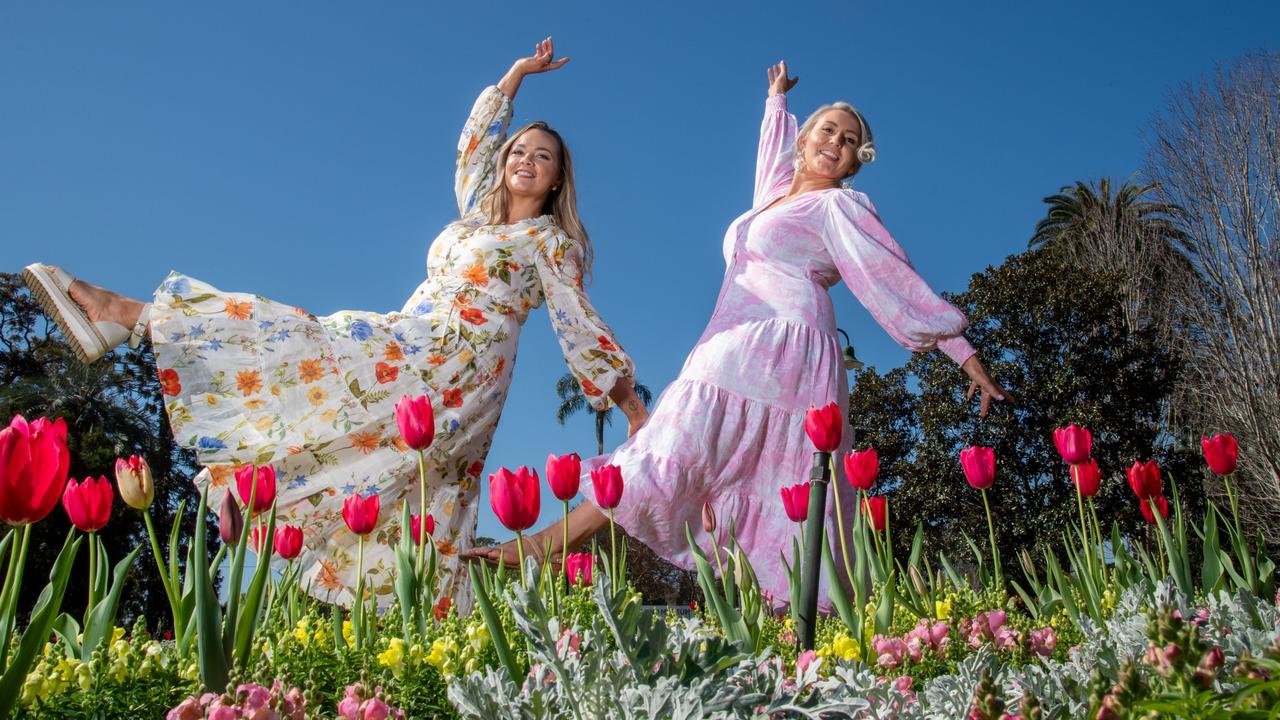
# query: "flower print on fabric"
[[267, 383]]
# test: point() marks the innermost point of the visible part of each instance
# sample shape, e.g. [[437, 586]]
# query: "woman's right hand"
[[542, 60], [778, 80]]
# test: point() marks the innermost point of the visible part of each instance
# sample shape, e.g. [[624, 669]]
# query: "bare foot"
[[102, 304]]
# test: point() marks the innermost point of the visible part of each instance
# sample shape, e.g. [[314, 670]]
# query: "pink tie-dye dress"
[[730, 429]]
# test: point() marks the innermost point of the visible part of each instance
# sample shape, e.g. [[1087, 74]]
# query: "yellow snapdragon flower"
[[942, 609], [393, 656]]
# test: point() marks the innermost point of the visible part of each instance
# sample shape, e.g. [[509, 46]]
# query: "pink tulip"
[[288, 541], [876, 511], [1221, 452], [33, 469], [88, 503], [361, 513], [1144, 479], [607, 482], [264, 479], [795, 500], [979, 465], [416, 422], [1074, 443], [578, 568], [861, 468], [563, 475], [824, 426], [515, 498], [1087, 477], [1161, 504], [257, 539], [415, 527]]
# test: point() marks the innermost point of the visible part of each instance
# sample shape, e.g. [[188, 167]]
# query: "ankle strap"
[[140, 327]]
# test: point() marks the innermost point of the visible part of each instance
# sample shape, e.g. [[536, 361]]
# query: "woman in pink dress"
[[730, 430]]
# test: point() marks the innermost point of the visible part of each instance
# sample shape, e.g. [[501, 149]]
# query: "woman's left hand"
[[980, 380]]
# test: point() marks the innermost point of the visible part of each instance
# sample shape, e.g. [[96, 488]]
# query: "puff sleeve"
[[482, 135]]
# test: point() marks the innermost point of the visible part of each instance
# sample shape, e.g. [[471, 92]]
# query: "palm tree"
[[1126, 232], [573, 401]]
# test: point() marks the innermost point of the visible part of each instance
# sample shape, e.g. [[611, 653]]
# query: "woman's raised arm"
[[777, 138]]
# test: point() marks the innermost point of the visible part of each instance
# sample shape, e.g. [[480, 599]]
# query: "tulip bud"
[[606, 480], [260, 482], [824, 426], [1144, 479], [861, 468], [258, 538], [578, 568], [795, 500], [876, 509], [708, 518], [230, 521], [288, 541], [1087, 477], [564, 474], [515, 498], [416, 421], [1074, 443], [133, 477], [1221, 452], [361, 513], [415, 527], [88, 503], [1161, 504], [979, 464], [34, 461]]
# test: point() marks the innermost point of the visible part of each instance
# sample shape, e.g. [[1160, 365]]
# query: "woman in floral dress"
[[249, 380], [730, 430]]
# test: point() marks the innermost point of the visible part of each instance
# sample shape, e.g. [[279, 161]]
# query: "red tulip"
[[416, 422], [1144, 478], [607, 481], [979, 465], [1221, 452], [1074, 443], [88, 503], [264, 478], [514, 498], [230, 521], [33, 469], [415, 527], [563, 475], [578, 567], [824, 426], [861, 468], [1087, 477], [875, 509], [1161, 504], [257, 538], [288, 542], [795, 500], [708, 517], [361, 513]]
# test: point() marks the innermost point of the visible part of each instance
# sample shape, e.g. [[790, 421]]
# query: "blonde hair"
[[561, 203], [866, 153]]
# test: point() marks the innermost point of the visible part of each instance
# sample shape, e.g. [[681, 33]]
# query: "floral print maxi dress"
[[250, 380], [730, 429]]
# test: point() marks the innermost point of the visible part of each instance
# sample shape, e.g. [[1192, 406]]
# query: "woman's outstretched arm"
[[777, 138]]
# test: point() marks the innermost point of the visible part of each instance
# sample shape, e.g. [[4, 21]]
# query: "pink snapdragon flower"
[[989, 627], [1043, 641]]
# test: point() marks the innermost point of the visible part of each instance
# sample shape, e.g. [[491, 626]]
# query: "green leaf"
[[491, 620], [40, 625], [102, 618], [212, 658]]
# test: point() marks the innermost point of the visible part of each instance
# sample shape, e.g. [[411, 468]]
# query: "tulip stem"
[[422, 512], [991, 531], [1097, 529], [357, 607], [12, 584], [835, 486], [1235, 511], [613, 549], [93, 578], [715, 548], [1084, 528], [164, 575], [564, 546]]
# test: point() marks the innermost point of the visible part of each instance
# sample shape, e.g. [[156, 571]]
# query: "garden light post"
[[819, 478]]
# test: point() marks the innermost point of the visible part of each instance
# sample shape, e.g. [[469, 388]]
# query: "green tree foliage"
[[1056, 337], [113, 408]]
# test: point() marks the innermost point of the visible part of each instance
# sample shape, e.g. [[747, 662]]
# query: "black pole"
[[819, 478]]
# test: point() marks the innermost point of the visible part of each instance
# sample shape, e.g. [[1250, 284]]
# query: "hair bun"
[[867, 153]]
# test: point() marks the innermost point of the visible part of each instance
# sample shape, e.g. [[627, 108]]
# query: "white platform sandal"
[[89, 339]]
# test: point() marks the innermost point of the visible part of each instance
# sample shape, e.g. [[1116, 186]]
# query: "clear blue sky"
[[304, 151]]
